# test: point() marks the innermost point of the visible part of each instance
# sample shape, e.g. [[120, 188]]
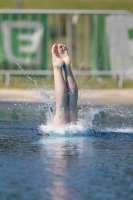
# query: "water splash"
[[85, 125]]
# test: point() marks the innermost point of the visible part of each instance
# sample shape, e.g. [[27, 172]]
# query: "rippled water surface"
[[93, 160]]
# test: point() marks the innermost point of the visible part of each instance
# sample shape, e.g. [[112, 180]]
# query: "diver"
[[66, 90]]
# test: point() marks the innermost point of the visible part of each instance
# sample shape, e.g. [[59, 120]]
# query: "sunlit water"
[[90, 160]]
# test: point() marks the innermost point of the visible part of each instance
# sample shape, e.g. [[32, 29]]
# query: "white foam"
[[121, 130], [70, 129]]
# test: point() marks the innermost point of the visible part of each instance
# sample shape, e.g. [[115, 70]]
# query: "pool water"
[[92, 160]]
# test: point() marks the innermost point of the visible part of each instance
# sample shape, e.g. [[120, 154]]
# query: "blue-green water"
[[93, 160]]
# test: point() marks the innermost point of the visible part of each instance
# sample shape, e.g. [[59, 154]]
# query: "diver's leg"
[[72, 94], [61, 115], [71, 84]]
